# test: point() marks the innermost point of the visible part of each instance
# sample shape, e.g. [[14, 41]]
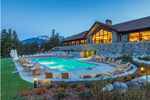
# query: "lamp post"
[[35, 82], [142, 69]]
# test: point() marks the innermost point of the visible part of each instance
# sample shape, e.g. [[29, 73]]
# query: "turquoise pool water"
[[60, 64]]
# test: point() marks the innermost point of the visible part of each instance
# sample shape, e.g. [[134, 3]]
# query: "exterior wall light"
[[142, 69]]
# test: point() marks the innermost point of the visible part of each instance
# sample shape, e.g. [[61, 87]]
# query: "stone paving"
[[102, 67]]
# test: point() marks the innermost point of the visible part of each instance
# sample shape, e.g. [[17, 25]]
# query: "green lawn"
[[10, 83]]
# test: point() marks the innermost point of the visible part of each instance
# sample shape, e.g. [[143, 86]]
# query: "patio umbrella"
[[15, 57], [11, 52]]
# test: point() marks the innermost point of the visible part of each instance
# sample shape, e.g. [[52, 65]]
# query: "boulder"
[[140, 81], [120, 86], [108, 87], [133, 84], [147, 78]]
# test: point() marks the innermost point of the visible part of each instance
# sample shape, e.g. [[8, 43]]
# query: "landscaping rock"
[[147, 80], [140, 81], [108, 87], [120, 86], [133, 84]]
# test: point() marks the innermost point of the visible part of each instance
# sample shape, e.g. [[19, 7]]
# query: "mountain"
[[40, 39]]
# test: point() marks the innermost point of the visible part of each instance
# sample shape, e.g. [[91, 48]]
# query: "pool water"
[[60, 64]]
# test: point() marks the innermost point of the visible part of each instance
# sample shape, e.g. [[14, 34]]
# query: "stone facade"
[[117, 48]]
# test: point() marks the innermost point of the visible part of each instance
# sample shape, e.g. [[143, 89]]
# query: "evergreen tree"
[[15, 41]]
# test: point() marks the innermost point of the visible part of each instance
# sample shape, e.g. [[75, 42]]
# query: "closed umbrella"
[[12, 53], [15, 56]]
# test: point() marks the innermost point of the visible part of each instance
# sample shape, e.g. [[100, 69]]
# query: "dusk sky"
[[32, 18]]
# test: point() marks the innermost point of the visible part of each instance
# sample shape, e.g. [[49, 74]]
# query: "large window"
[[67, 44], [102, 36], [139, 36], [82, 42]]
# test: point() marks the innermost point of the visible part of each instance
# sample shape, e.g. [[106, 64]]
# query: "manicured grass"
[[11, 82]]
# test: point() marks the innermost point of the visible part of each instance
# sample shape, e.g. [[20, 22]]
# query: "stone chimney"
[[108, 22]]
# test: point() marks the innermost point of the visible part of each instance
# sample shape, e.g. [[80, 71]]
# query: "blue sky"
[[32, 18]]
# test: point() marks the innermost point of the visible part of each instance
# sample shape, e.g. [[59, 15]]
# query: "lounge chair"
[[44, 69], [51, 75], [109, 59], [111, 73], [37, 55], [125, 69], [26, 56], [70, 56], [54, 55], [85, 76], [45, 55], [23, 56], [31, 56], [65, 76], [123, 65], [112, 61], [103, 59], [99, 60], [40, 55], [95, 75], [116, 63]]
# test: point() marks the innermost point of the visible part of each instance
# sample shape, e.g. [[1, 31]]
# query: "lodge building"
[[106, 33]]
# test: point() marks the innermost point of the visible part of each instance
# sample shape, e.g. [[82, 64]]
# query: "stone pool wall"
[[116, 48]]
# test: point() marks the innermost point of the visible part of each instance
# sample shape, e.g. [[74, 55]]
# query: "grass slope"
[[10, 83]]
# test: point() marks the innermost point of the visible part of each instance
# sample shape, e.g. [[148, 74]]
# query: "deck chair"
[[111, 73], [44, 55], [85, 76], [125, 69], [123, 65], [99, 60], [103, 59], [65, 76], [51, 75], [37, 71], [44, 69], [115, 63], [31, 56], [37, 55], [54, 55], [109, 59], [23, 56], [26, 56], [95, 75], [112, 61]]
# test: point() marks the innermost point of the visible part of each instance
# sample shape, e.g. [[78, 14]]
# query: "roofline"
[[74, 40], [135, 30], [96, 22]]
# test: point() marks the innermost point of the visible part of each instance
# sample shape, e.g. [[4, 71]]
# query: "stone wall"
[[117, 48]]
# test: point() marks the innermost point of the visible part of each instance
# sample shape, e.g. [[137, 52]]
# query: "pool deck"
[[75, 74]]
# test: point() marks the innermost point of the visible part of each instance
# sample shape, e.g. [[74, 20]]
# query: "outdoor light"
[[142, 69], [35, 82]]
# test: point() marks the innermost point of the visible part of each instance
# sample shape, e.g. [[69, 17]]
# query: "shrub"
[[50, 86], [119, 79], [62, 84], [40, 90], [74, 85], [60, 95], [85, 95], [146, 58], [88, 84], [127, 57], [128, 78], [79, 87], [60, 89], [25, 93]]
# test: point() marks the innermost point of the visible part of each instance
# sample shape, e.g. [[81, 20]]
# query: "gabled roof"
[[141, 23], [76, 37]]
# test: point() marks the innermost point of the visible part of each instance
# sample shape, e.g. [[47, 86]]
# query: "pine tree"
[[15, 41]]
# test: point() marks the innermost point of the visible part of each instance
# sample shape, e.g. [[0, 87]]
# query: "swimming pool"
[[60, 64]]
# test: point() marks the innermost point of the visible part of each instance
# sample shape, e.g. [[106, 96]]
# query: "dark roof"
[[76, 37], [141, 23]]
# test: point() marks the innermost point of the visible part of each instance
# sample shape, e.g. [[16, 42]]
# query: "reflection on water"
[[60, 64]]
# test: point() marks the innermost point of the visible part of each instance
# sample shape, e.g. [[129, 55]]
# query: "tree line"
[[9, 40]]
